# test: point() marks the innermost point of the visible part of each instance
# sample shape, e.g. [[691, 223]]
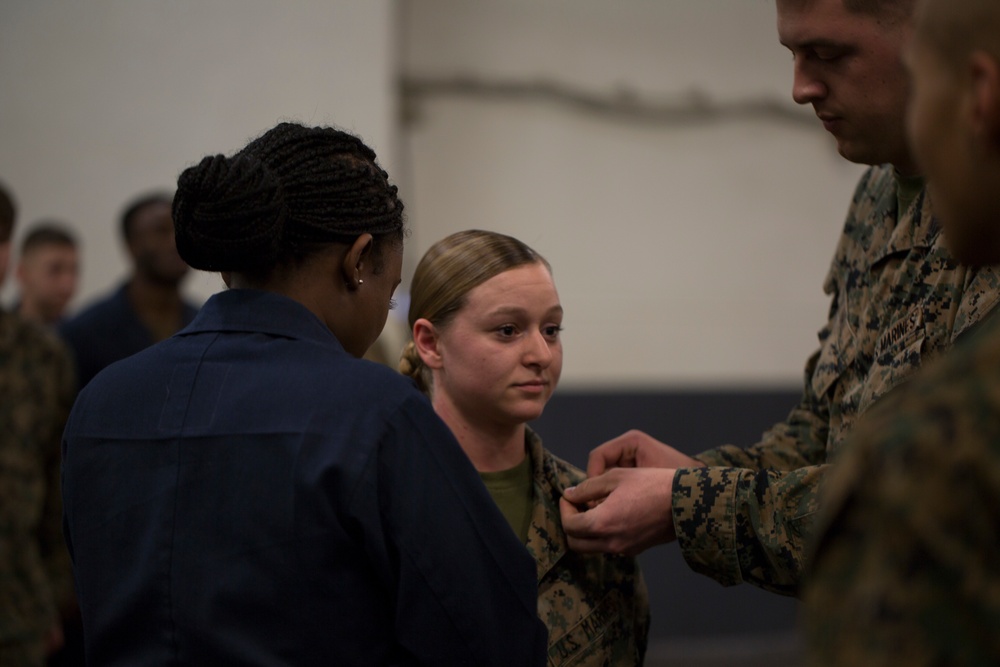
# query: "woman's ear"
[[353, 265], [425, 339]]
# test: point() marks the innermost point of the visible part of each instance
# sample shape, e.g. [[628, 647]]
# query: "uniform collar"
[[258, 311], [546, 539], [915, 227]]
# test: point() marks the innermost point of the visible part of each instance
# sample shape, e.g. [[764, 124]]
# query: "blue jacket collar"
[[258, 311]]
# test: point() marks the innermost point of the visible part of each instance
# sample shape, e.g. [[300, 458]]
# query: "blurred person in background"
[[148, 307], [36, 391], [47, 273], [907, 565]]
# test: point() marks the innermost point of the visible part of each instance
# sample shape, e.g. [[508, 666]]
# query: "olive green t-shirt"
[[907, 189], [512, 492]]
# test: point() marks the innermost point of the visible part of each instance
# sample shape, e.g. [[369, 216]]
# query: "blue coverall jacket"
[[248, 493]]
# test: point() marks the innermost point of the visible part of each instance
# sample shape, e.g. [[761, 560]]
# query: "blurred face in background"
[[152, 247], [848, 66], [4, 260], [48, 276], [954, 126]]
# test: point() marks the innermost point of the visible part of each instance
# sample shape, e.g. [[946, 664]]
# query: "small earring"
[[360, 281]]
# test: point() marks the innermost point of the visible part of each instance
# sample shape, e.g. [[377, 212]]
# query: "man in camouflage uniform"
[[36, 391], [898, 298], [907, 567]]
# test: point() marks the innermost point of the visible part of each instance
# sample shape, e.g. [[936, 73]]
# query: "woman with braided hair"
[[486, 322], [252, 492]]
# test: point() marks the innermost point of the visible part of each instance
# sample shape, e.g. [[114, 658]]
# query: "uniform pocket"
[[592, 639], [897, 354]]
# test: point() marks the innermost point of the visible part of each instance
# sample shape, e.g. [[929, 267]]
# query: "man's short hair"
[[956, 29], [46, 233], [8, 212], [136, 205]]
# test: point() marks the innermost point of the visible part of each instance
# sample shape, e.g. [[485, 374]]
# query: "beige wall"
[[686, 253], [102, 99]]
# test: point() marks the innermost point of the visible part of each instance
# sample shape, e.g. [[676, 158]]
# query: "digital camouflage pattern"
[[907, 570], [595, 606], [898, 298], [36, 393]]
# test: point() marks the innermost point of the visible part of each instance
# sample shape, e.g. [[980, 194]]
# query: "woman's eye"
[[552, 331], [507, 330]]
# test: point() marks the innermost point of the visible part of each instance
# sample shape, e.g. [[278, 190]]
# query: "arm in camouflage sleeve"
[[738, 525], [747, 517], [639, 501]]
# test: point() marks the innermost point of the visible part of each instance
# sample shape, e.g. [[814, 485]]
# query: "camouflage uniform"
[[907, 570], [897, 298], [595, 607], [36, 392]]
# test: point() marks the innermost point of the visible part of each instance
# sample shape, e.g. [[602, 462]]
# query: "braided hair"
[[286, 195], [448, 271]]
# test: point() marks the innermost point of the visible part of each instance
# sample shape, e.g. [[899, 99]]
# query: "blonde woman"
[[486, 320]]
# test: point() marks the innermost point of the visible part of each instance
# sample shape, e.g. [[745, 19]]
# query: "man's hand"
[[634, 511], [636, 449]]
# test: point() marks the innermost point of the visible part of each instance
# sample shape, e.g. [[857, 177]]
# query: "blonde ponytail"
[[411, 365]]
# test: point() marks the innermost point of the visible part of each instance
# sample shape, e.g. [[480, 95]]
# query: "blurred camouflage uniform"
[[897, 298], [36, 393], [907, 570], [595, 606]]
